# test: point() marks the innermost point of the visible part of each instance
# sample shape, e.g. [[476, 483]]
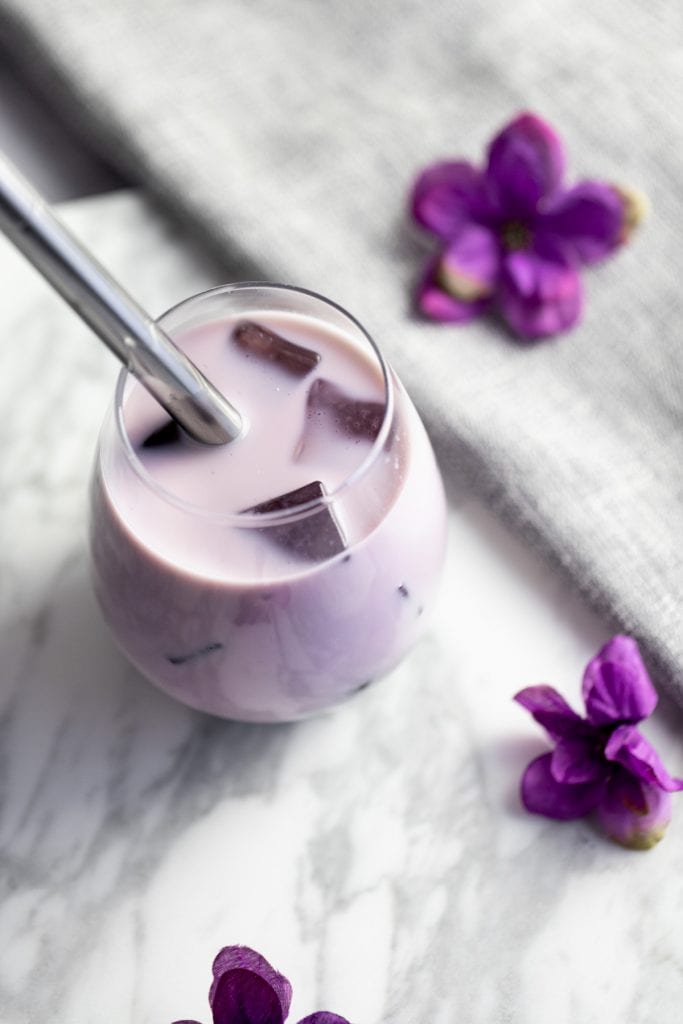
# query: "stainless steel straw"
[[131, 334]]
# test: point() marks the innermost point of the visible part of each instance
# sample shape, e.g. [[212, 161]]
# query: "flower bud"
[[636, 208]]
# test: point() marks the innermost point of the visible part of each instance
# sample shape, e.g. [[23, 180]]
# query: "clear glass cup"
[[252, 635]]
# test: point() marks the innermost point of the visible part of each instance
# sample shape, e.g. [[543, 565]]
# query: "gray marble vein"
[[376, 854]]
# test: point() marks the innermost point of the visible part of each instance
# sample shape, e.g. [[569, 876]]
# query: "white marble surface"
[[377, 855]]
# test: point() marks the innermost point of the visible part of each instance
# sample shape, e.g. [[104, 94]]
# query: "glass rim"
[[261, 519]]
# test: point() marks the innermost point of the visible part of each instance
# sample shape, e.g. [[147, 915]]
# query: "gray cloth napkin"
[[289, 132]]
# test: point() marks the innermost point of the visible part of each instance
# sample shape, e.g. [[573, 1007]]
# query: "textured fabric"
[[289, 131]]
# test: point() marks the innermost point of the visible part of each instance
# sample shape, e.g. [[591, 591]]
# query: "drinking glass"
[[219, 609]]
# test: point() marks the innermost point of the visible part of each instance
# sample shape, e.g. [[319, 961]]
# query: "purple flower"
[[513, 236], [601, 762], [247, 990]]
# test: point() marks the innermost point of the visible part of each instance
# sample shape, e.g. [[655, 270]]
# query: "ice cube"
[[266, 344], [352, 416], [315, 537], [169, 433], [330, 411], [193, 655], [261, 606]]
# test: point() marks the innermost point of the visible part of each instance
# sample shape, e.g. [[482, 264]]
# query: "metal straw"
[[131, 334]]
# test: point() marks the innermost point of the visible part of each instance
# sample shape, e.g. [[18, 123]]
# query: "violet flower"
[[247, 990], [601, 762], [513, 236]]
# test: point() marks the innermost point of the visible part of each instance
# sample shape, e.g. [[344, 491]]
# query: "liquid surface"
[[313, 401]]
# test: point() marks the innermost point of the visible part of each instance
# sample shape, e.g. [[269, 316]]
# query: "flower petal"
[[525, 164], [543, 794], [435, 302], [590, 218], [323, 1017], [242, 997], [630, 749], [242, 961], [550, 709], [447, 195], [616, 686], [633, 813], [577, 760], [540, 291], [468, 268]]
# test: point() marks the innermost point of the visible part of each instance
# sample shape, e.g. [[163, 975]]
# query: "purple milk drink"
[[268, 578]]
